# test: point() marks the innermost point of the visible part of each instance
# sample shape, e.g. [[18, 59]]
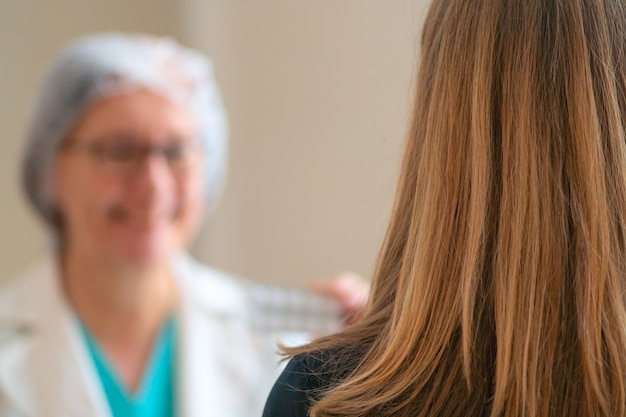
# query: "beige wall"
[[317, 94]]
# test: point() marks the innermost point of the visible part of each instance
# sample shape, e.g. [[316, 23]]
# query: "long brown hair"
[[500, 289]]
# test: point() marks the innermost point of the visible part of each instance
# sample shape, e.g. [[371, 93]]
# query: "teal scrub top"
[[156, 395]]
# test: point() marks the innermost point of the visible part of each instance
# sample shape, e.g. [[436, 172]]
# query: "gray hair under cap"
[[102, 65]]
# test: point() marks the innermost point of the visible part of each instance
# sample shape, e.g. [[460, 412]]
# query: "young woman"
[[501, 286]]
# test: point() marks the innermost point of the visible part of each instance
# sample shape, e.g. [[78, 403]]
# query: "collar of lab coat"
[[45, 369]]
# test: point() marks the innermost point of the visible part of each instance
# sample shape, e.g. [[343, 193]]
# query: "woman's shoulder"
[[298, 385], [304, 379]]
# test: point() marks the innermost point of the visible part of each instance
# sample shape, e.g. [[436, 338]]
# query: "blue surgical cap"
[[102, 65]]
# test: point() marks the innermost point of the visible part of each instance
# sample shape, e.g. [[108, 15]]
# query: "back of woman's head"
[[501, 286]]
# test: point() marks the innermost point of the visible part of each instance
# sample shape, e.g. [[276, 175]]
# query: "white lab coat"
[[225, 367]]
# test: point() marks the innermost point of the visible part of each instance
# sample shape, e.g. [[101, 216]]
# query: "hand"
[[350, 290]]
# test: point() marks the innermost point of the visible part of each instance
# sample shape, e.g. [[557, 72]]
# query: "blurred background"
[[318, 96]]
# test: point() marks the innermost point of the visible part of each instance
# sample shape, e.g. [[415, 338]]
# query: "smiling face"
[[128, 182]]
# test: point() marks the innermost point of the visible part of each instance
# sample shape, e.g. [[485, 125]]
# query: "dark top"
[[299, 383], [305, 378]]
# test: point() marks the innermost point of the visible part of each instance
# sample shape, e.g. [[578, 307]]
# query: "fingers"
[[350, 290]]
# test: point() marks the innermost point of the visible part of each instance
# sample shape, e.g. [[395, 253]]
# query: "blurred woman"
[[501, 287], [126, 152]]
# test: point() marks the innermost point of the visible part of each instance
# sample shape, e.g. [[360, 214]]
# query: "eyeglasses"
[[124, 157]]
